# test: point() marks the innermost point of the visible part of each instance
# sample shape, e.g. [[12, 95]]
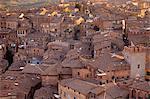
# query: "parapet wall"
[[135, 49]]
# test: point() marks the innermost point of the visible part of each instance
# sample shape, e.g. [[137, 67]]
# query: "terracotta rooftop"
[[135, 84], [50, 71], [72, 60], [107, 61], [45, 92], [143, 85], [72, 63], [12, 82], [114, 91], [82, 86], [34, 69], [104, 62], [17, 65], [53, 57]]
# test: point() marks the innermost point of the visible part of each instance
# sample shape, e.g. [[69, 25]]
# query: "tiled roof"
[[45, 92], [17, 84], [16, 65], [34, 69], [50, 71], [141, 85], [82, 86], [138, 84], [103, 62], [53, 57], [72, 63]]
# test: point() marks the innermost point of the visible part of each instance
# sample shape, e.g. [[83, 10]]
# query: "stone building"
[[138, 58], [137, 88], [12, 38], [139, 37], [109, 67], [67, 28], [21, 55], [84, 89], [17, 66], [41, 22], [55, 26], [22, 32], [79, 89], [101, 41], [24, 27], [12, 22], [44, 24], [36, 43], [2, 23], [4, 33], [72, 61], [47, 92], [56, 52], [87, 49], [13, 81], [50, 76]]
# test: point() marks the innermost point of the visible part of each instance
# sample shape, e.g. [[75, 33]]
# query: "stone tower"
[[136, 57]]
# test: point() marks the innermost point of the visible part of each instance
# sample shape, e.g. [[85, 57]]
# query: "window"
[[87, 75], [138, 66], [55, 30], [89, 49], [148, 73], [78, 73], [93, 96], [107, 81], [113, 77], [28, 61], [100, 83]]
